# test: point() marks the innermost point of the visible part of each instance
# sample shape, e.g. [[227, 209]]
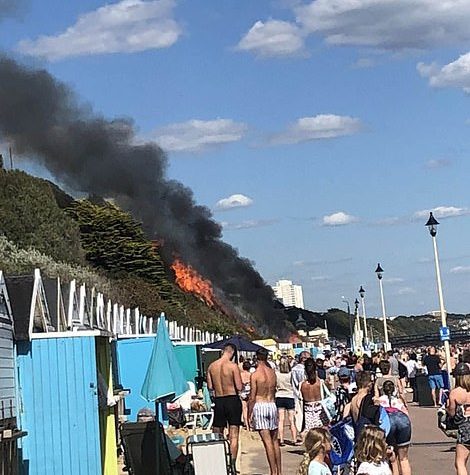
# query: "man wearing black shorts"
[[224, 382]]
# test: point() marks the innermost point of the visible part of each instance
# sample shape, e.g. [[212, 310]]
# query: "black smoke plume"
[[43, 118]]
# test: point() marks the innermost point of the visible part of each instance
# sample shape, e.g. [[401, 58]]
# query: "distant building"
[[289, 294]]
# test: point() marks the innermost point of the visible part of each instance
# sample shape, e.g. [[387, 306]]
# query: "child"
[[390, 400], [372, 453], [317, 445]]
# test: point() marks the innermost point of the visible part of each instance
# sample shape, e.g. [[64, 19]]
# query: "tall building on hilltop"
[[289, 294]]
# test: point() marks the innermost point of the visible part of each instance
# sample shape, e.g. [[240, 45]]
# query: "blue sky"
[[339, 123]]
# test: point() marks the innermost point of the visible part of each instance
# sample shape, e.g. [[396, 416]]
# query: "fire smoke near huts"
[[43, 119]]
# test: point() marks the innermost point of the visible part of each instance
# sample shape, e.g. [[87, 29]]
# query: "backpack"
[[371, 414]]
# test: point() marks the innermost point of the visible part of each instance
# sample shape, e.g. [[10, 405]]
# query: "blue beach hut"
[[65, 382]]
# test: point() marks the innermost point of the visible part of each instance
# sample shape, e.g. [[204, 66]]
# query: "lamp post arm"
[[366, 336], [384, 315], [442, 307], [439, 283]]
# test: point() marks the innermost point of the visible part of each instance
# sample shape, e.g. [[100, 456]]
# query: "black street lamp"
[[379, 271], [432, 225]]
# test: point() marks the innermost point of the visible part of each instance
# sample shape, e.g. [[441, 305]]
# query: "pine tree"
[[115, 242]]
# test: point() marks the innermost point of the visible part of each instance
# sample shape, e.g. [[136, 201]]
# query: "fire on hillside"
[[189, 280]]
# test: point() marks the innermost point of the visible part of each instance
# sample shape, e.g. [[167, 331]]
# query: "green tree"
[[31, 218], [115, 242]]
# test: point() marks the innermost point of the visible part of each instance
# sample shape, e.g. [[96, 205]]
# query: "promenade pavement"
[[431, 452]]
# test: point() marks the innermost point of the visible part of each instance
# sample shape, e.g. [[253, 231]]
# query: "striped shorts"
[[265, 416]]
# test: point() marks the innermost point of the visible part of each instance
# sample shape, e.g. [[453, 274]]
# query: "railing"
[[429, 338], [64, 308]]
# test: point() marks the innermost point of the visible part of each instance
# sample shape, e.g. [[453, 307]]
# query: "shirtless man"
[[262, 410], [224, 382]]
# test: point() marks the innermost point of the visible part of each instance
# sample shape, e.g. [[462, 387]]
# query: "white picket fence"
[[81, 309]]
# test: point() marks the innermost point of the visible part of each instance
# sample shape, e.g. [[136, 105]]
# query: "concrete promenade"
[[431, 453]]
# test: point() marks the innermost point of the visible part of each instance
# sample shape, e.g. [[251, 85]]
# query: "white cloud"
[[390, 221], [322, 126], [273, 38], [320, 278], [460, 270], [388, 24], [248, 224], [438, 163], [233, 201], [197, 135], [442, 212], [364, 63], [338, 219], [454, 74], [406, 291], [127, 26], [394, 280]]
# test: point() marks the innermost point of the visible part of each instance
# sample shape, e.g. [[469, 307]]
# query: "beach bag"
[[342, 442], [299, 414], [328, 402], [384, 420], [462, 422]]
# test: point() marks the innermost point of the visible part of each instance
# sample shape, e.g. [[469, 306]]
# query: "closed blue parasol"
[[240, 343], [164, 381], [164, 378]]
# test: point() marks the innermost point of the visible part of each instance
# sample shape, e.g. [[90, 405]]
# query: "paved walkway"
[[431, 452]]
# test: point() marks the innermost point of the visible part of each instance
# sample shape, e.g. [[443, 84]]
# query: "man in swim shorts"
[[433, 364], [224, 382], [262, 410]]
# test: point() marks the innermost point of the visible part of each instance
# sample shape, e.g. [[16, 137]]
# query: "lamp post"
[[379, 271], [350, 323], [432, 226], [362, 293], [357, 324]]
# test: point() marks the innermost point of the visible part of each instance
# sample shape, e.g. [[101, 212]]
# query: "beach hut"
[[65, 378], [133, 354], [9, 432]]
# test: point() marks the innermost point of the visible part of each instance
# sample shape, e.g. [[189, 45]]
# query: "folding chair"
[[210, 454]]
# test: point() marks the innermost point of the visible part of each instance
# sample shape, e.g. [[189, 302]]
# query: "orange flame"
[[189, 280]]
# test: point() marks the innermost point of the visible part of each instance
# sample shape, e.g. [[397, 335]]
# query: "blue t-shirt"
[[317, 468]]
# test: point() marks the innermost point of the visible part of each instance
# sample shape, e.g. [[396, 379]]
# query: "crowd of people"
[[365, 396]]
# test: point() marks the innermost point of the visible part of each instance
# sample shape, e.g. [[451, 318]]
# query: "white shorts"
[[265, 416]]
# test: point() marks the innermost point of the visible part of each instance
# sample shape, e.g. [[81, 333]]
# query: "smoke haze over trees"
[[43, 119]]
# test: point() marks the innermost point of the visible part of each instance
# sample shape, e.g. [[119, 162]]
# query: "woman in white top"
[[285, 401]]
